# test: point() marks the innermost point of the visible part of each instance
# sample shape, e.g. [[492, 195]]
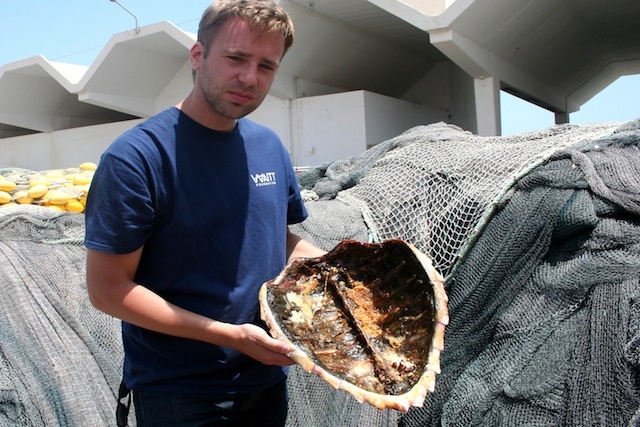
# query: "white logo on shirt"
[[263, 179]]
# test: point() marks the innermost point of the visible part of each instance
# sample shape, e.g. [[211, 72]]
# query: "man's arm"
[[112, 290], [297, 247]]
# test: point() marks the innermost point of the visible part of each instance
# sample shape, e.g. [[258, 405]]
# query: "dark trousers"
[[265, 409]]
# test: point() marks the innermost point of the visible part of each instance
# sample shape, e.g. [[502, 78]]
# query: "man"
[[187, 216]]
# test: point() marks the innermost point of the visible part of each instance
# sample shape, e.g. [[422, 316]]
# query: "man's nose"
[[249, 75]]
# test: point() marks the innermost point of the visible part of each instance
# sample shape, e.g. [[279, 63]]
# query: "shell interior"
[[363, 314]]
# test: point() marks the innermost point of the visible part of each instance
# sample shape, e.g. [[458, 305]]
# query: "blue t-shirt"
[[211, 210]]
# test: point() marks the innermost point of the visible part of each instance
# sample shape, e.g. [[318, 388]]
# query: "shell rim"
[[426, 383]]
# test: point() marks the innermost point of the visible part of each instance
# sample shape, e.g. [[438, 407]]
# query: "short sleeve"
[[119, 214]]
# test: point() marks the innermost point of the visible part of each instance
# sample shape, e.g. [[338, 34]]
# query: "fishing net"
[[538, 236], [436, 186], [544, 309], [60, 359]]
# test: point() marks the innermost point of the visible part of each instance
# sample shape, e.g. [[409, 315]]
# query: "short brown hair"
[[265, 14]]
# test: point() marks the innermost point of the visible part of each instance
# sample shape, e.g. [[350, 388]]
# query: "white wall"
[[344, 125], [446, 88], [274, 113], [331, 127], [61, 149], [388, 117]]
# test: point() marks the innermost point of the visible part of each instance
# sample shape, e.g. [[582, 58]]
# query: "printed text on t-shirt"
[[262, 179]]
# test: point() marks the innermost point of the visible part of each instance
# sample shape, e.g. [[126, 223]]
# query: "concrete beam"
[[135, 106], [600, 81]]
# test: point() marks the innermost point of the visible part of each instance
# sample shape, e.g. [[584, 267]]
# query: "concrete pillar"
[[562, 117], [487, 99]]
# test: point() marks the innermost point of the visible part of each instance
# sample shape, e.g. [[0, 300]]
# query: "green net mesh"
[[435, 186]]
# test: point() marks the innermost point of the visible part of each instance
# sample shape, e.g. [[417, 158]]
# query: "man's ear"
[[196, 55]]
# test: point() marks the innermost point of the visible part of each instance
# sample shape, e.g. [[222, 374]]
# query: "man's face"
[[237, 72]]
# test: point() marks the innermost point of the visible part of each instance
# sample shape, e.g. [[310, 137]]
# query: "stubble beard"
[[215, 93], [227, 109]]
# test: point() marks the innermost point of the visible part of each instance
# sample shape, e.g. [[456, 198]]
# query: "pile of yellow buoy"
[[60, 189]]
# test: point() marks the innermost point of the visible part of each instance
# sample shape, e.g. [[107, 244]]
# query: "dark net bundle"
[[544, 309], [60, 359], [539, 238]]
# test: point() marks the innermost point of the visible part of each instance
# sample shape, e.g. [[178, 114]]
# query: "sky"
[[75, 31]]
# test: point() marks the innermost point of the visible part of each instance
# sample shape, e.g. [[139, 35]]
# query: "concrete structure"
[[360, 72]]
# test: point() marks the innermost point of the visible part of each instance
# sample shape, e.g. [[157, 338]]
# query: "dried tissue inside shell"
[[368, 318]]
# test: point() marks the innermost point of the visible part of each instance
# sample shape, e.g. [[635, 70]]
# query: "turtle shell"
[[368, 318]]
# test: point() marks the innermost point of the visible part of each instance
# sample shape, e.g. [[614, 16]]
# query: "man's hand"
[[257, 344]]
